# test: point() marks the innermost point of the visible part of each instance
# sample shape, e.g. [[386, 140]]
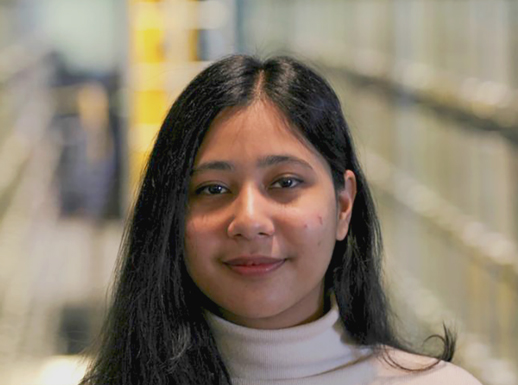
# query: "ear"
[[345, 201]]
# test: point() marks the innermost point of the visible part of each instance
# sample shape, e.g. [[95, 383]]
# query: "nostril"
[[250, 228]]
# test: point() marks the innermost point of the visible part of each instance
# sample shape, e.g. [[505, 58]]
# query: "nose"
[[251, 215]]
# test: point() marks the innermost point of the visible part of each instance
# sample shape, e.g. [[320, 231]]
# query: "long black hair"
[[155, 332]]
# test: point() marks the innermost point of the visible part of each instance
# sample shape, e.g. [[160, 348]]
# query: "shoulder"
[[441, 373]]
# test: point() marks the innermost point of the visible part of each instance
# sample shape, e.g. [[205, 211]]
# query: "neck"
[[308, 350]]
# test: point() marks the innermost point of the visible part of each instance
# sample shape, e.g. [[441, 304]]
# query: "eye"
[[211, 189], [287, 182]]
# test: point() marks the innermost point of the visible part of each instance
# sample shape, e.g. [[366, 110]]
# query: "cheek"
[[317, 230], [200, 226], [197, 239], [313, 221]]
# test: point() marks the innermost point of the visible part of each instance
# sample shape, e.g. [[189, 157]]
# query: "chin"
[[258, 314], [253, 313]]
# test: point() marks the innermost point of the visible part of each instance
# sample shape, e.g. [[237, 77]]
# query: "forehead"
[[259, 129]]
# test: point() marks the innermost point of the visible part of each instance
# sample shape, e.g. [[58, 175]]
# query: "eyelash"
[[298, 181]]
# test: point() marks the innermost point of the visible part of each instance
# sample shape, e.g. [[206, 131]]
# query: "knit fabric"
[[319, 353]]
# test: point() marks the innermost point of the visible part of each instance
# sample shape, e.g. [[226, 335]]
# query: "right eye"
[[211, 189]]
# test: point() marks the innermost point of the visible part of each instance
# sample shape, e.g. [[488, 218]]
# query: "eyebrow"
[[267, 161]]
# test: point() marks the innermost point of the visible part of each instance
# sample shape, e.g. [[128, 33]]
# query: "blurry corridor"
[[429, 88]]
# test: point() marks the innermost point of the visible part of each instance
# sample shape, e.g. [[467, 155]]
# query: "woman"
[[253, 254]]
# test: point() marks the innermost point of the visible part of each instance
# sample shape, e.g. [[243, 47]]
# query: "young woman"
[[253, 255]]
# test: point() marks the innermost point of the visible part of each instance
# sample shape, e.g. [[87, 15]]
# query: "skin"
[[284, 210]]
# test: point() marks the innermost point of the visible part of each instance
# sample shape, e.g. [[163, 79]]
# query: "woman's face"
[[263, 220]]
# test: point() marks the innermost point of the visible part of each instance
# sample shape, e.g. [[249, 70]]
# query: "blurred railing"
[[62, 147], [430, 89], [26, 110], [54, 263], [445, 186], [22, 101]]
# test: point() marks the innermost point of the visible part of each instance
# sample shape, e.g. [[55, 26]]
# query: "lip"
[[251, 266]]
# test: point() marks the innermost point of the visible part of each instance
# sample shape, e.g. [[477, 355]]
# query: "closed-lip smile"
[[252, 260], [254, 265]]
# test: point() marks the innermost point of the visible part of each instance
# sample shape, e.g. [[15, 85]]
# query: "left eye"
[[212, 189], [217, 189], [288, 182]]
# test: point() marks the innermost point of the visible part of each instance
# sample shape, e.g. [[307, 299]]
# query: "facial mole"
[[320, 220]]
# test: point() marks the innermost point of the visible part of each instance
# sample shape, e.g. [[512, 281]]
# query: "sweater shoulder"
[[398, 367]]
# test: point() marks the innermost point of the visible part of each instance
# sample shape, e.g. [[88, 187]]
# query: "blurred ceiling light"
[[469, 88], [417, 75], [493, 93], [62, 370]]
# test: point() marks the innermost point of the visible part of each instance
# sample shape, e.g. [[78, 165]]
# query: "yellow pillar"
[[162, 38]]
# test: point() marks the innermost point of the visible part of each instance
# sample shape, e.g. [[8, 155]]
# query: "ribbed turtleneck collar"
[[296, 352]]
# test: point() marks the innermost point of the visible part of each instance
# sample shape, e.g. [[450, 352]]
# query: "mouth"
[[251, 266]]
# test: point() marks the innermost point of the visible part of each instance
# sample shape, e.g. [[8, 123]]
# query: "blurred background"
[[430, 90]]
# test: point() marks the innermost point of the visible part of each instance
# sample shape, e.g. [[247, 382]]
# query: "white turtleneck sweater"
[[317, 353]]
